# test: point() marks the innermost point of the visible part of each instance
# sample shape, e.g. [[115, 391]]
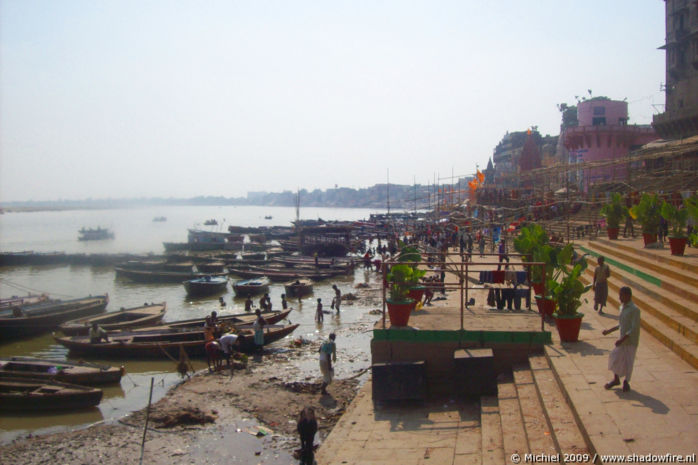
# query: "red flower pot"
[[546, 307], [677, 245], [568, 327], [399, 312], [649, 238], [612, 233], [538, 288], [416, 293]]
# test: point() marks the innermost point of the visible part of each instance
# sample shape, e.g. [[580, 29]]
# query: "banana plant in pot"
[[614, 211], [530, 239], [676, 217], [413, 257], [400, 278], [551, 256], [647, 213], [568, 290]]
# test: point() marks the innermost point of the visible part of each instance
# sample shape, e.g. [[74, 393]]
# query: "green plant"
[[401, 278], [566, 288], [614, 211], [529, 239], [676, 217], [647, 213], [411, 256]]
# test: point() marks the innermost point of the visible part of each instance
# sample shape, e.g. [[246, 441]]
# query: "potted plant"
[[400, 304], [553, 260], [568, 291], [528, 243], [647, 213], [614, 211], [413, 257], [676, 217]]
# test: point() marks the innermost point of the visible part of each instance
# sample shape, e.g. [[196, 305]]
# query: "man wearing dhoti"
[[328, 354], [600, 284], [622, 357]]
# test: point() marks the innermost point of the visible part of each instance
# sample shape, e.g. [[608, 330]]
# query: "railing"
[[462, 268]]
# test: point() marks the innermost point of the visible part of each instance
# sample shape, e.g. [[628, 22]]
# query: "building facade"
[[603, 134], [680, 118]]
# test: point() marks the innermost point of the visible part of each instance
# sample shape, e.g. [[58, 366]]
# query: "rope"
[[29, 289]]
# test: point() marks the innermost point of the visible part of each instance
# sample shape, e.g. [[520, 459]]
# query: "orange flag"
[[480, 176]]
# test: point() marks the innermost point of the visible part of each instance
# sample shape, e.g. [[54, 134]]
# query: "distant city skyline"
[[124, 99]]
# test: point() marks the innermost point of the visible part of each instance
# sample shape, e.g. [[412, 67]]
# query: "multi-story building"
[[680, 117], [603, 134]]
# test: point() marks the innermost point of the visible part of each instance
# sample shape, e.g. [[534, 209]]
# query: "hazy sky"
[[174, 98]]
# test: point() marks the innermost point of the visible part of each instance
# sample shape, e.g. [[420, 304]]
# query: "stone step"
[[513, 431], [680, 344], [565, 432], [682, 320], [658, 290], [491, 431], [660, 256], [668, 273], [538, 431]]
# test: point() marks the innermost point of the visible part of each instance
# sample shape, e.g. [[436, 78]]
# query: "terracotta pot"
[[538, 288], [546, 307], [399, 312], [649, 238], [677, 245], [612, 233], [568, 327], [416, 293]]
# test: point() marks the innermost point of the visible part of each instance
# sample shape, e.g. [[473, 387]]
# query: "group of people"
[[222, 345], [336, 304]]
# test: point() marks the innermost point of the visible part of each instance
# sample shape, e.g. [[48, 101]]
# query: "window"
[[598, 121], [599, 111], [622, 121]]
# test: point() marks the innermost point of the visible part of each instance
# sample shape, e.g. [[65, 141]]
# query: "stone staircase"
[[664, 287], [534, 417]]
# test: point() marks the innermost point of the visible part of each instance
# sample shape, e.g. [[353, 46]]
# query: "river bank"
[[247, 417]]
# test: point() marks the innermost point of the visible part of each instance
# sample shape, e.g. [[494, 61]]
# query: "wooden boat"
[[278, 274], [28, 299], [83, 373], [160, 219], [27, 320], [238, 319], [298, 288], [163, 342], [251, 287], [206, 285], [310, 261], [126, 318], [211, 267], [96, 234], [153, 276], [28, 394], [211, 222]]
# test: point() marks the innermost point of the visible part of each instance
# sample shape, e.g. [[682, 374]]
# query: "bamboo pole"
[[147, 417]]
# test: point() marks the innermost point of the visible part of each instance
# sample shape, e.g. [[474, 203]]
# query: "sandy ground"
[[248, 417]]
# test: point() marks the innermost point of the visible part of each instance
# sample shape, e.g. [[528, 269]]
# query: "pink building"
[[603, 134]]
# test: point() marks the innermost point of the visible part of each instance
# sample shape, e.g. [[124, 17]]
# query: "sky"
[[167, 98]]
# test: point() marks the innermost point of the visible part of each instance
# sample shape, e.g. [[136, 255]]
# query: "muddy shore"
[[247, 416]]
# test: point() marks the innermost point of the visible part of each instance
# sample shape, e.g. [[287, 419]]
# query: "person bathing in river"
[[319, 317], [337, 298], [284, 304], [248, 304]]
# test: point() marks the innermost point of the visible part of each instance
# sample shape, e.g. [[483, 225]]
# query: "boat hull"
[[85, 374], [128, 318], [42, 318], [25, 395]]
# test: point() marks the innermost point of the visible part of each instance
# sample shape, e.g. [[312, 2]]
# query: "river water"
[[135, 232]]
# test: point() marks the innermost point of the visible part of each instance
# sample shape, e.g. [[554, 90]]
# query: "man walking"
[[337, 298], [600, 284], [622, 357]]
